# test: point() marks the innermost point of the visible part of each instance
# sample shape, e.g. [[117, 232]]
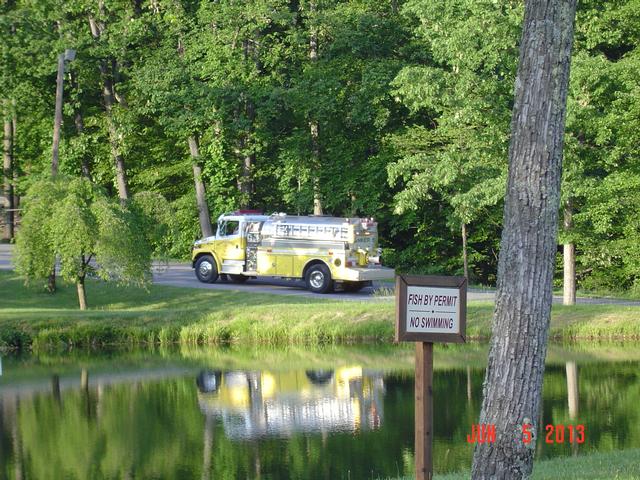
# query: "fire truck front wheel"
[[206, 270], [318, 279]]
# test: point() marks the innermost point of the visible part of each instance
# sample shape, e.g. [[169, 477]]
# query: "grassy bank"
[[164, 315], [619, 464]]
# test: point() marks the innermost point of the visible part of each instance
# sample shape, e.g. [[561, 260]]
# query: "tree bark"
[[84, 165], [194, 149], [79, 123], [57, 124], [513, 381], [315, 165], [201, 198], [465, 259], [7, 172], [108, 95], [14, 165], [57, 119], [569, 259], [246, 185], [82, 294], [314, 129]]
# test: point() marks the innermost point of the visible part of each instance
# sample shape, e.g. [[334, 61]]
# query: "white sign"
[[432, 310]]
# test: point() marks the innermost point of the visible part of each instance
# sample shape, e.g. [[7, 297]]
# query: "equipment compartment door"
[[284, 265], [266, 262]]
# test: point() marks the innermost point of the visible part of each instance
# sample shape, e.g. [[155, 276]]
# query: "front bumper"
[[364, 274]]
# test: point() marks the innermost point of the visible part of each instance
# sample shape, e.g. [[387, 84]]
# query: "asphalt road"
[[181, 275]]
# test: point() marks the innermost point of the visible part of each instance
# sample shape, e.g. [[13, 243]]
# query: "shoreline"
[[166, 315]]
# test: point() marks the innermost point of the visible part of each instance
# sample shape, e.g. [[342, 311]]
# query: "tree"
[[73, 220], [7, 171], [513, 381], [600, 177], [459, 97], [167, 88]]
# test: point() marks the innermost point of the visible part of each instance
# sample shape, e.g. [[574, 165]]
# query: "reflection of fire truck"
[[324, 251], [254, 404]]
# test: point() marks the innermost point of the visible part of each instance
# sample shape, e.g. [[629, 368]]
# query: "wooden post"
[[424, 411], [428, 309]]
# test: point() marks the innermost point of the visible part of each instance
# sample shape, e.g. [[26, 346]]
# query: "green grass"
[[618, 464], [165, 315], [632, 295]]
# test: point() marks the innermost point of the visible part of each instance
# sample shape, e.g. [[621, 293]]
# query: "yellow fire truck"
[[282, 403], [326, 252]]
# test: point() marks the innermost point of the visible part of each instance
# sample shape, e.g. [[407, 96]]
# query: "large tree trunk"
[[79, 123], [569, 259], [314, 129], [57, 125], [201, 198], [513, 381], [7, 172], [57, 118], [84, 165], [246, 185], [82, 294], [317, 196], [245, 182], [14, 165], [109, 95]]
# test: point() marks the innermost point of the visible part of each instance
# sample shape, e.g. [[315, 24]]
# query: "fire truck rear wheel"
[[206, 270], [238, 278], [318, 279]]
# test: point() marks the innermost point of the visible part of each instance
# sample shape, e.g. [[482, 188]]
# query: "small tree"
[[73, 220]]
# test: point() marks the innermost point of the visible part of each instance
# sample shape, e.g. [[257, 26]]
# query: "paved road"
[[181, 275]]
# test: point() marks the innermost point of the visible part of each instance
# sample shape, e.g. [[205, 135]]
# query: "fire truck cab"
[[326, 252]]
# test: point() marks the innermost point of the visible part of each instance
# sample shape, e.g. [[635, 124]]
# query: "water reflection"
[[173, 415], [252, 404]]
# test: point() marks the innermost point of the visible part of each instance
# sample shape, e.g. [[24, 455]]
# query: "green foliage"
[[601, 174], [412, 100], [70, 219], [155, 218]]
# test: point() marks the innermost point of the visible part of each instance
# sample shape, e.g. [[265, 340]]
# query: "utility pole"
[[68, 56]]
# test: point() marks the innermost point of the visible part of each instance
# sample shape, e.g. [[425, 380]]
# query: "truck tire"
[[237, 278], [318, 279], [206, 269]]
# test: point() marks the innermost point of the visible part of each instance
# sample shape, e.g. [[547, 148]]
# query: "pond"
[[333, 413]]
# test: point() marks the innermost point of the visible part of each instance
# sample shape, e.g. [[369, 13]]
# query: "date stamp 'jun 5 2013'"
[[554, 434]]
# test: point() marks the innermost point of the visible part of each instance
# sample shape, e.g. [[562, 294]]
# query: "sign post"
[[428, 309]]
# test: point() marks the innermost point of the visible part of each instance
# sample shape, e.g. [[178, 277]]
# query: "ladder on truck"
[[312, 231]]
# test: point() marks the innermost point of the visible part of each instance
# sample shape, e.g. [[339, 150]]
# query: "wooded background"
[[398, 110]]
